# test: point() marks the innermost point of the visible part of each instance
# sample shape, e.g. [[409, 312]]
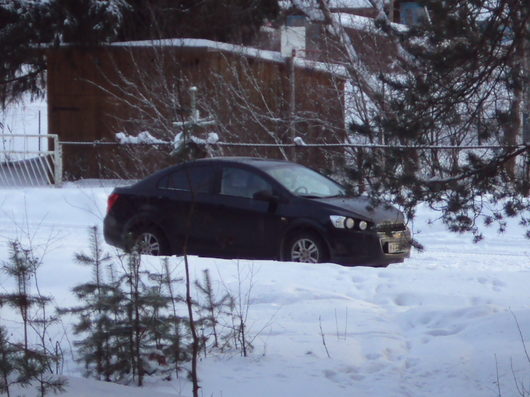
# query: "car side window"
[[201, 179], [242, 183]]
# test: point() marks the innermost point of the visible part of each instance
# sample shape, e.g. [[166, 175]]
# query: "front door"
[[245, 227]]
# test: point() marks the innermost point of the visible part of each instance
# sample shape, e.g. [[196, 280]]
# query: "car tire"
[[305, 247], [149, 241]]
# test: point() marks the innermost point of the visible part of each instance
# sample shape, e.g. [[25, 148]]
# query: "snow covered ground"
[[441, 324]]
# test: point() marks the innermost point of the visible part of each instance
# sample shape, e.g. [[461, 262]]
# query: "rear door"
[[188, 205]]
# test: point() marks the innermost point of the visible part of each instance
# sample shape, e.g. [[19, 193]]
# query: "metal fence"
[[30, 160], [135, 160], [37, 160]]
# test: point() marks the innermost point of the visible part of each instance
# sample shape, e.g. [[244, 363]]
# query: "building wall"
[[94, 93]]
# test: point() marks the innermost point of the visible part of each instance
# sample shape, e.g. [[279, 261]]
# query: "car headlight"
[[342, 222], [345, 222]]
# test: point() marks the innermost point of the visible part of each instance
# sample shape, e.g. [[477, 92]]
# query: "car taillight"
[[111, 201]]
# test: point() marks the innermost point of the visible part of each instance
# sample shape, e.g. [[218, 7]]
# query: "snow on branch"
[[142, 138]]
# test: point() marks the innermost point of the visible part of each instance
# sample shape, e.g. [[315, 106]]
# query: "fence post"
[[58, 161]]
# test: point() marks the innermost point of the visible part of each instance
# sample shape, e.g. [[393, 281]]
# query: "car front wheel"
[[306, 248]]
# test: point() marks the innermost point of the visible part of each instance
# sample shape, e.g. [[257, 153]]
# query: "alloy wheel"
[[305, 250], [148, 243]]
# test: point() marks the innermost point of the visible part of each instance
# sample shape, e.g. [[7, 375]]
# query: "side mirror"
[[265, 195]]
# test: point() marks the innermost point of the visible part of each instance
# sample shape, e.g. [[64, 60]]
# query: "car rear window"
[[196, 179]]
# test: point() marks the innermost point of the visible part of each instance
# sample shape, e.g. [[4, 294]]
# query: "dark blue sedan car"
[[254, 208]]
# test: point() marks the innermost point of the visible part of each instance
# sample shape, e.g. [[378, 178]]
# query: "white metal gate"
[[27, 160]]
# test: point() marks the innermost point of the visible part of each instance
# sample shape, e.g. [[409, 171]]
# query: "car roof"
[[252, 161], [255, 161]]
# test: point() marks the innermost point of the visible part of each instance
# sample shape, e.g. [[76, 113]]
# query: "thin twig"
[[497, 375], [323, 337]]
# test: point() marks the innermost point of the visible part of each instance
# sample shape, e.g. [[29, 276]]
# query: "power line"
[[312, 145]]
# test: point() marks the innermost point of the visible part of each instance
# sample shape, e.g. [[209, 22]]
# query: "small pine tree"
[[128, 331], [144, 321], [29, 364], [131, 323], [212, 308], [36, 365], [158, 330], [95, 315], [21, 267], [8, 362], [177, 349]]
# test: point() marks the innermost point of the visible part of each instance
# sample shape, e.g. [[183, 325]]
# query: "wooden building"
[[249, 96]]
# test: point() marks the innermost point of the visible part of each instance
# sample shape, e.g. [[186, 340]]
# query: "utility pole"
[[526, 86], [191, 126], [526, 103], [292, 102]]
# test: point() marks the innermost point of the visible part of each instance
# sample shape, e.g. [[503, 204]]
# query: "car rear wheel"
[[305, 247], [150, 241]]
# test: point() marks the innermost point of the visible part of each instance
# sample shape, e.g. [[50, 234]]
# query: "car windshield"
[[305, 182]]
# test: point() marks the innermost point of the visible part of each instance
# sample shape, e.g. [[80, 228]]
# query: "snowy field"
[[441, 324]]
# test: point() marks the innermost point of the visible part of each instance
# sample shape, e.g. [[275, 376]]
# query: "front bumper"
[[372, 248]]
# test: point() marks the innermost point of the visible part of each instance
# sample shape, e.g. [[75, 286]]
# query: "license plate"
[[394, 248]]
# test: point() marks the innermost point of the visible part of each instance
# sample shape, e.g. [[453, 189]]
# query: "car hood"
[[362, 207]]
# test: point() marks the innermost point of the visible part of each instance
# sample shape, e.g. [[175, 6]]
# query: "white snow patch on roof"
[[364, 24], [272, 56], [350, 4], [313, 4]]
